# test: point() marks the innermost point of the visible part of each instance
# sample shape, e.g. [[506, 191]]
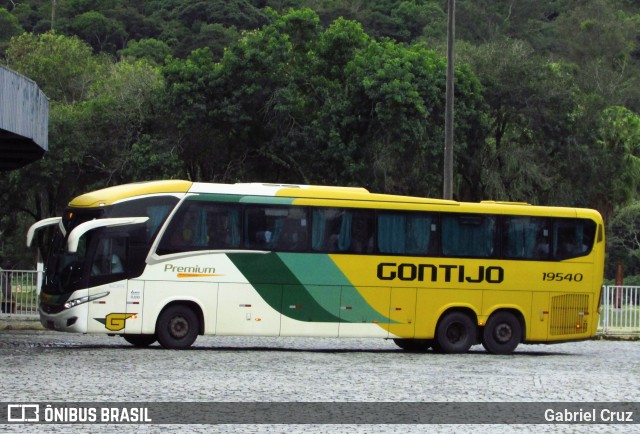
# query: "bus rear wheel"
[[502, 334], [416, 345], [140, 341], [177, 327], [455, 333]]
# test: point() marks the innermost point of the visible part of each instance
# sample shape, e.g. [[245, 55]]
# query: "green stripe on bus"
[[266, 272], [313, 287], [319, 270]]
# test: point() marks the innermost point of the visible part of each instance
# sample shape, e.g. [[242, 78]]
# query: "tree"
[[603, 41], [128, 134], [152, 50], [294, 102], [237, 13], [532, 109], [104, 34], [623, 240], [114, 130], [63, 66], [9, 27], [618, 136]]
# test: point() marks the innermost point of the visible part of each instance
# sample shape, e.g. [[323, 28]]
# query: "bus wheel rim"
[[178, 327]]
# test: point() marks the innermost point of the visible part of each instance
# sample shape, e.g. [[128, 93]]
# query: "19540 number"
[[560, 277]]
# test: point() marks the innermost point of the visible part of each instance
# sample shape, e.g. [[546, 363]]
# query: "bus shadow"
[[400, 352], [282, 349]]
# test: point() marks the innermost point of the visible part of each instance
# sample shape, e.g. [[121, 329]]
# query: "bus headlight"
[[77, 301]]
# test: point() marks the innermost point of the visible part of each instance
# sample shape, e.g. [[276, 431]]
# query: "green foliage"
[[104, 34], [623, 240], [9, 27], [63, 67], [113, 130], [604, 42], [331, 106], [531, 109], [619, 136], [236, 13], [480, 21], [151, 50]]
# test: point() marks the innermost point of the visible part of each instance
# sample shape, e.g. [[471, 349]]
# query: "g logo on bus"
[[115, 321]]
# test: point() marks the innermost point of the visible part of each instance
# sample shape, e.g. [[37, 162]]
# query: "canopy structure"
[[24, 117]]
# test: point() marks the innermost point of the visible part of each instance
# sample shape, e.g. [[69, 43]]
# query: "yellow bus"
[[167, 261]]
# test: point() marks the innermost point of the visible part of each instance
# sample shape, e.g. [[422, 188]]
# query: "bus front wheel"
[[455, 333], [502, 334], [177, 327], [140, 341]]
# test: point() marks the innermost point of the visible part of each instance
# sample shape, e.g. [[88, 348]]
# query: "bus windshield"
[[63, 270], [102, 254]]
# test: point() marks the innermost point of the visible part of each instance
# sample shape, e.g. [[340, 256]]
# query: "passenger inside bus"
[[218, 231]]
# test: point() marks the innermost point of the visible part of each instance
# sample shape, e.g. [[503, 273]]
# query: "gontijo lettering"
[[444, 272]]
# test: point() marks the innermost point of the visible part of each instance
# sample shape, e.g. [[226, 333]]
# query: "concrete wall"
[[24, 118]]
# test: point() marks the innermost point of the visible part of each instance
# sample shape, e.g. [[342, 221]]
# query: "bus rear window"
[[539, 238], [572, 238]]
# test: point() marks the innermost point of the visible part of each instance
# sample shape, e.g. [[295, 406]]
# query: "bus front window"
[[64, 270]]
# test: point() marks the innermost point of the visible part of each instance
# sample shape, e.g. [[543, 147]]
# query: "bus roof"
[[318, 195], [110, 195], [311, 192]]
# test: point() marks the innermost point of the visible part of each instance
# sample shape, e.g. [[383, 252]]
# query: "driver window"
[[110, 257]]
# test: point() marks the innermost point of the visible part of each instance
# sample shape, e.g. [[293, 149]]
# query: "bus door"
[[108, 311]]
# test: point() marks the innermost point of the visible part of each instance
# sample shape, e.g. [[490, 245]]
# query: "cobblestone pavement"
[[40, 366]]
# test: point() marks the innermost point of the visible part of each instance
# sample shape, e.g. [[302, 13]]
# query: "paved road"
[[48, 366]]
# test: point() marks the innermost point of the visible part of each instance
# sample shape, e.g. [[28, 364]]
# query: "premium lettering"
[[195, 270], [445, 273]]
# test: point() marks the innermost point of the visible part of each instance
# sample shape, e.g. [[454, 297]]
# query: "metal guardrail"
[[620, 313], [19, 291], [620, 310]]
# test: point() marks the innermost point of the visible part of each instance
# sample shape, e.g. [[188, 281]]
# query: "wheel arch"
[[458, 342], [195, 307], [515, 312], [467, 310]]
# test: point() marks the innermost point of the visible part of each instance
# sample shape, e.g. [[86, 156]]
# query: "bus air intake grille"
[[569, 314]]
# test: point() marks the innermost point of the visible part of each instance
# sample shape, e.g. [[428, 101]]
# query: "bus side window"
[[525, 238], [468, 235], [572, 237], [360, 237], [342, 230], [293, 234], [405, 233], [325, 229], [223, 227], [186, 231], [277, 228]]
